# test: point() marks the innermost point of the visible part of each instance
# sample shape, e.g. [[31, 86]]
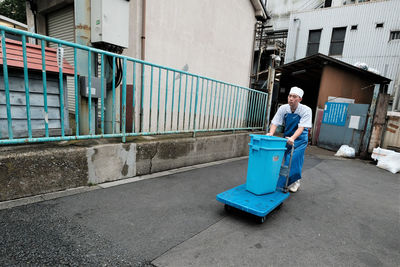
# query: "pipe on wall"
[[142, 57], [297, 38], [143, 37]]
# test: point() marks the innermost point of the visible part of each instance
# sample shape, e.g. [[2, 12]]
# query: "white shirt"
[[303, 111]]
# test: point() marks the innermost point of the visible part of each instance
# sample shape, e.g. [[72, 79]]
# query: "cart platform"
[[259, 205]]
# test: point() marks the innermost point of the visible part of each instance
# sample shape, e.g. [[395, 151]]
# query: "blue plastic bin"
[[265, 158]]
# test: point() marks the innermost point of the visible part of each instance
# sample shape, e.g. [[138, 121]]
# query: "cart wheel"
[[227, 208], [262, 219]]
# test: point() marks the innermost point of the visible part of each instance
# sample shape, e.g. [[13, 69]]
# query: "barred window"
[[337, 41], [314, 37], [394, 35]]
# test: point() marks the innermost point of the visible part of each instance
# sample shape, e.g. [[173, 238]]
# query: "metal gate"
[[343, 124]]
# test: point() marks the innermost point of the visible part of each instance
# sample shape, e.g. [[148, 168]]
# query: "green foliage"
[[14, 9]]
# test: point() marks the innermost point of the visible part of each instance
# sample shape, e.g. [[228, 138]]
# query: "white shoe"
[[294, 186]]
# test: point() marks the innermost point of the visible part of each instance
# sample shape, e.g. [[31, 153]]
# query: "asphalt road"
[[345, 214]]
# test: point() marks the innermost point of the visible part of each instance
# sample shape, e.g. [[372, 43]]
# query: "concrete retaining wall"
[[32, 170]]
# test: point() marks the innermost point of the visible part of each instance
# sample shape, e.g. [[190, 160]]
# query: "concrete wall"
[[367, 44], [36, 169]]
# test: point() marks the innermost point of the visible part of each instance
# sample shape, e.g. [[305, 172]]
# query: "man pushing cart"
[[275, 163]]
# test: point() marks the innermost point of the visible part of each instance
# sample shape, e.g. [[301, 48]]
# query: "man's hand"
[[270, 134], [290, 140]]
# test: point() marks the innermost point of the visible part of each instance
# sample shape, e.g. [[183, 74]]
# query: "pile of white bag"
[[364, 66], [346, 151], [387, 159]]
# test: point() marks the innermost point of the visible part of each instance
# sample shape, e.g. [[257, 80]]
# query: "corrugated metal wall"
[[367, 44], [61, 25]]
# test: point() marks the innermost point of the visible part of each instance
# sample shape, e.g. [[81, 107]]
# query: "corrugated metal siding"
[[367, 44], [61, 25]]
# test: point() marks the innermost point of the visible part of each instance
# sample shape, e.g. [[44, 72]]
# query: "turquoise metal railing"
[[170, 100]]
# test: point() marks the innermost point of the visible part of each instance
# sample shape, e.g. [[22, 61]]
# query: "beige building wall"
[[209, 38]]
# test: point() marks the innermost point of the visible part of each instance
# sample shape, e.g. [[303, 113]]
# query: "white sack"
[[346, 151]]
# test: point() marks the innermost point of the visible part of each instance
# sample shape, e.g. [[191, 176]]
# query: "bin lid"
[[266, 137]]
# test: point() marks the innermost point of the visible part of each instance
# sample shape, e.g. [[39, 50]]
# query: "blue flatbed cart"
[[258, 205]]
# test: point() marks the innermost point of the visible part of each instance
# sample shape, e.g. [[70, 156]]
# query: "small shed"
[[326, 79], [36, 97]]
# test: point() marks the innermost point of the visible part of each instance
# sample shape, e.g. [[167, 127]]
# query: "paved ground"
[[345, 214]]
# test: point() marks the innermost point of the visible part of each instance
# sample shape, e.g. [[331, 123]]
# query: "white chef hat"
[[297, 91]]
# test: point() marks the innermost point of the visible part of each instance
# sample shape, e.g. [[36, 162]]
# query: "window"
[[354, 27], [337, 41], [394, 35], [379, 25], [313, 42], [328, 3]]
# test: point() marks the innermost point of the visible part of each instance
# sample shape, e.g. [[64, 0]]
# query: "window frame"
[[393, 34], [313, 43], [334, 42]]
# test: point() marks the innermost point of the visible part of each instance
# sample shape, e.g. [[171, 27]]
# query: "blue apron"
[[291, 124]]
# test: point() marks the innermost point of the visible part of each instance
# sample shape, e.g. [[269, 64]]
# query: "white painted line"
[[42, 197]]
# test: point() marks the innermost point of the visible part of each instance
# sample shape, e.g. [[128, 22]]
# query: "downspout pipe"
[[143, 37], [297, 38], [252, 52], [142, 57]]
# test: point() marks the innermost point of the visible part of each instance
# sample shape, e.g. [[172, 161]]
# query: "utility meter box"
[[95, 87], [110, 22]]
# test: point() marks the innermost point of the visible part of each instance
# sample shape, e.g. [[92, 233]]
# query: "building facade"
[[210, 38], [364, 33]]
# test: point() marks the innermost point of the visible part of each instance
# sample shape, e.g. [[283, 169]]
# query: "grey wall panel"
[[36, 99]]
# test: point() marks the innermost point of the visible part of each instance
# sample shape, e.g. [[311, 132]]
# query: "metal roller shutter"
[[61, 25]]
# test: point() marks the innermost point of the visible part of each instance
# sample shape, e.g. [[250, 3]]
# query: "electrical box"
[[95, 87], [110, 22]]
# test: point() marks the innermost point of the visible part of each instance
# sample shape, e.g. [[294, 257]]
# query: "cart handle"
[[289, 167]]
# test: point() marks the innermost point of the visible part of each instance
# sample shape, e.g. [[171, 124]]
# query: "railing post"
[[102, 93], [28, 111], [133, 98], [166, 101], [265, 122], [124, 101], [113, 95], [76, 93], [141, 99], [195, 106], [44, 79], [6, 85], [236, 104], [151, 95], [90, 93]]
